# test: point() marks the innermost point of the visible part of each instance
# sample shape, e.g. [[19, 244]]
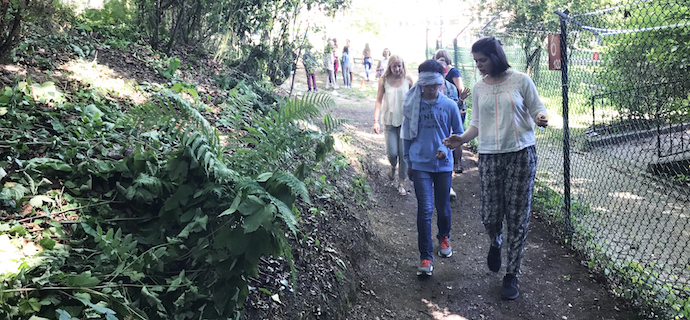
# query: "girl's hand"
[[542, 120], [453, 141], [377, 129], [440, 155], [464, 93]]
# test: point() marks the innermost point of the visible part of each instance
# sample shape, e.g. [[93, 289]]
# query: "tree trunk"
[[12, 31], [175, 29]]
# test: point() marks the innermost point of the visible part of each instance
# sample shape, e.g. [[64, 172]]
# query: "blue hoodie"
[[436, 122]]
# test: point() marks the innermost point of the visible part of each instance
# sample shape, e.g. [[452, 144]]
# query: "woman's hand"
[[440, 155], [464, 93], [453, 141], [377, 129], [542, 120]]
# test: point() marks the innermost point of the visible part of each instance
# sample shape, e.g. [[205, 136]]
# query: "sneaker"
[[453, 195], [511, 287], [458, 167], [426, 268], [494, 259], [446, 250]]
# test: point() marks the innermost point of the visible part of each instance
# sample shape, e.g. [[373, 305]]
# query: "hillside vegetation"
[[142, 181]]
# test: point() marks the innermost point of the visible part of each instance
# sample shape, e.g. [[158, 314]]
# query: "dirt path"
[[554, 283]]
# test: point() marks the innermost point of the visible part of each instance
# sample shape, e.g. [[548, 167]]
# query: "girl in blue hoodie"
[[429, 117]]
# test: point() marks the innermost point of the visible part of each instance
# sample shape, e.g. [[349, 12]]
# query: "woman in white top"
[[505, 108], [383, 64], [393, 86]]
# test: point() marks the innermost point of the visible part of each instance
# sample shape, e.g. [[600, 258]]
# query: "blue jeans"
[[394, 150], [430, 188], [367, 65]]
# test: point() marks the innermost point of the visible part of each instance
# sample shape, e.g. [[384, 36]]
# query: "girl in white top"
[[393, 85], [383, 64], [505, 108]]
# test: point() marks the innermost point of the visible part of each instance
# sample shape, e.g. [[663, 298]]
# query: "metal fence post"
[[566, 128]]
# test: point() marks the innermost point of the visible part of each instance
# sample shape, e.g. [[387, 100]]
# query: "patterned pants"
[[507, 180]]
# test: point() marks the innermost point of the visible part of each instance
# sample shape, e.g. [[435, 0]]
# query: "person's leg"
[[391, 135], [313, 81], [491, 207], [309, 80], [367, 66], [518, 194], [425, 205], [331, 77], [346, 76], [402, 171], [442, 182]]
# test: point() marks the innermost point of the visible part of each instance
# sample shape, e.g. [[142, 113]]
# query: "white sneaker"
[[453, 195]]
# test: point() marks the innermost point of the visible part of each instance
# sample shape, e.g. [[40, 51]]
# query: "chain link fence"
[[614, 164]]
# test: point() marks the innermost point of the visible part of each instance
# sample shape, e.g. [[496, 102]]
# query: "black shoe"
[[511, 287], [458, 167], [494, 259]]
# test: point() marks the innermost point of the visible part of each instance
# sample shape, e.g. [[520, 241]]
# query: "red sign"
[[595, 56], [555, 52]]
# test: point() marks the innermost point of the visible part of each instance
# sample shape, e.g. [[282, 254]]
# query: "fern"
[[297, 187]]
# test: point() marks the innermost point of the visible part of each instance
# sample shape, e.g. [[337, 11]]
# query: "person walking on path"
[[452, 74], [393, 85], [346, 67], [452, 92], [351, 61], [368, 62], [330, 65], [383, 64], [505, 108], [310, 68], [428, 118]]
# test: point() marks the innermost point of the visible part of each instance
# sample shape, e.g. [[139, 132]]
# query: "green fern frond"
[[297, 187], [307, 105], [285, 213], [150, 182], [249, 186], [331, 124]]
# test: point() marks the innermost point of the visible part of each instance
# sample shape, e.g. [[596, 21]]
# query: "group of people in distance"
[[423, 127], [346, 63]]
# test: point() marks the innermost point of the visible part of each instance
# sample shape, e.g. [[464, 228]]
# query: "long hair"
[[442, 53], [392, 60], [492, 48]]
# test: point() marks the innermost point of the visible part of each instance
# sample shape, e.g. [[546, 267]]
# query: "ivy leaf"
[[83, 279], [13, 191], [254, 221], [250, 205], [29, 306], [47, 243], [38, 201], [64, 315], [233, 206]]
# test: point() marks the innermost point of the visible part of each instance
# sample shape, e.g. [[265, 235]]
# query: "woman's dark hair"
[[492, 48], [346, 50], [430, 65]]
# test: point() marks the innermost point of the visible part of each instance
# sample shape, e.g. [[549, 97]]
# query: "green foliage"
[[654, 57], [171, 222]]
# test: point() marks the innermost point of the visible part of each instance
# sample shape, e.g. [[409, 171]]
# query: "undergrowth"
[[121, 211]]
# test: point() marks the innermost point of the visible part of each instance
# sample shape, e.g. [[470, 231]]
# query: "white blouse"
[[504, 113], [393, 98]]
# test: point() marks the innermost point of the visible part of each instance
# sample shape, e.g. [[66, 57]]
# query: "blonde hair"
[[391, 61]]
